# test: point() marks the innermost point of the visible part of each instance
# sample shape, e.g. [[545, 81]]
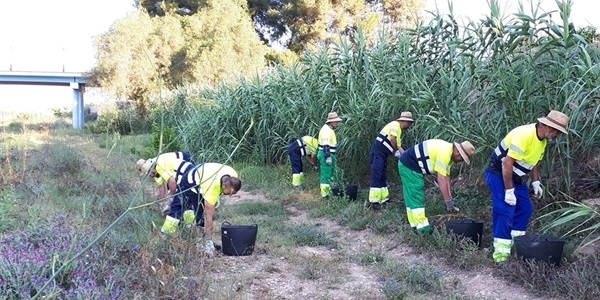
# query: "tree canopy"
[[140, 54], [296, 24], [174, 42]]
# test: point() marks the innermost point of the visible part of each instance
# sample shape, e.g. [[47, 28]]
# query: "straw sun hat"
[[333, 117], [556, 120], [143, 165], [406, 116], [466, 150]]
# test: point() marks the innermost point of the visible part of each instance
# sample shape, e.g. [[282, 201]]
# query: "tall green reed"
[[475, 80]]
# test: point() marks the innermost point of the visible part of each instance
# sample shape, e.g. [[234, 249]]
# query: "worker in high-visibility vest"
[[304, 146], [166, 170], [198, 198], [429, 157], [327, 151], [516, 157], [388, 142]]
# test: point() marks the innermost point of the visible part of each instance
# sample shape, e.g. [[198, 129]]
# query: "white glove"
[[537, 189], [509, 197], [397, 154], [209, 247], [328, 161]]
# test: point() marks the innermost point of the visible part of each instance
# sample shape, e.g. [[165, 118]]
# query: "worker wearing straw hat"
[[516, 157], [429, 157], [199, 194], [166, 169], [304, 146], [388, 142], [327, 151]]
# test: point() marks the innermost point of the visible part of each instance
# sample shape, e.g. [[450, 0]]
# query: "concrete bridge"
[[75, 81]]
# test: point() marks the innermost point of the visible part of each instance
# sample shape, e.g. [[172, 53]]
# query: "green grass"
[[402, 280], [257, 208], [310, 235], [11, 211]]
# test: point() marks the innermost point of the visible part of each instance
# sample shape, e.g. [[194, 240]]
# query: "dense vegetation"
[[166, 44], [81, 226], [473, 82]]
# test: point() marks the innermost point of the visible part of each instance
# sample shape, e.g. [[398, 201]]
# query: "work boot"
[[374, 205]]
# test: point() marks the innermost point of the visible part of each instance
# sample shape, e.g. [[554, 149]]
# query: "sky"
[[45, 35], [56, 35], [584, 12]]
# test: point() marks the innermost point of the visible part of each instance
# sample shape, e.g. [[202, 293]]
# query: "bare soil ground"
[[262, 276]]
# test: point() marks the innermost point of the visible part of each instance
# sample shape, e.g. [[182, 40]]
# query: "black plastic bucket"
[[540, 248], [238, 240], [350, 191], [467, 228]]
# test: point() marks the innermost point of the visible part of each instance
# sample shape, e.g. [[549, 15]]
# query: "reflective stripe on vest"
[[302, 146], [520, 168], [191, 179], [331, 148], [423, 159], [183, 167], [384, 139]]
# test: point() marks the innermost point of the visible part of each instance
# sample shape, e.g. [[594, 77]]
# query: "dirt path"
[[268, 277]]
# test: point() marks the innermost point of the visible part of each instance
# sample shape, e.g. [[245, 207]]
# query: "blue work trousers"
[[188, 201], [508, 219], [295, 157]]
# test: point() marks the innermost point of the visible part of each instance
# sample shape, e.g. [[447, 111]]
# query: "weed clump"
[[61, 160], [28, 259], [577, 280], [402, 280], [307, 235]]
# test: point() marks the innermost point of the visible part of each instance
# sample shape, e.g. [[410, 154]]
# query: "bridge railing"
[[50, 59]]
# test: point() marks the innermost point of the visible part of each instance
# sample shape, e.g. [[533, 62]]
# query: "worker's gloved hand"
[[538, 192], [328, 161], [209, 247], [509, 197], [451, 208], [397, 154], [166, 209]]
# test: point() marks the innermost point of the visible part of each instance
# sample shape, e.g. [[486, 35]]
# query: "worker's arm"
[[444, 184], [535, 173], [172, 186], [162, 191], [507, 172], [209, 213]]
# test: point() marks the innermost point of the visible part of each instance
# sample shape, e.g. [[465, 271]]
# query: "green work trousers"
[[326, 173], [413, 185]]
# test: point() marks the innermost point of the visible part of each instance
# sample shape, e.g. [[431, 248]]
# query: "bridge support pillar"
[[78, 111]]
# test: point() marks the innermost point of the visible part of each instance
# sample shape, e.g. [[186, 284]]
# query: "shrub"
[[577, 280], [307, 235], [15, 127], [29, 258], [401, 280], [62, 112], [62, 160], [164, 139], [125, 120]]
